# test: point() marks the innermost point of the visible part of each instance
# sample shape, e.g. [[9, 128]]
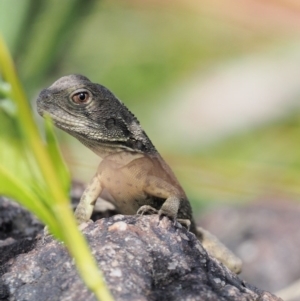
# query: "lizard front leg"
[[162, 189], [88, 200]]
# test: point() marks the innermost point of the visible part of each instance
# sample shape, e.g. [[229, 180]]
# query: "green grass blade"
[[56, 200], [12, 187], [55, 155]]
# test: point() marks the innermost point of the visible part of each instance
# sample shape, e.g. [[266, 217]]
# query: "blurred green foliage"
[[262, 163], [133, 49]]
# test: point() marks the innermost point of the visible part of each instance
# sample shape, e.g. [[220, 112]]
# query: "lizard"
[[131, 169]]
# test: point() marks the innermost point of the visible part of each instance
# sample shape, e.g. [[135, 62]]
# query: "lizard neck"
[[119, 155]]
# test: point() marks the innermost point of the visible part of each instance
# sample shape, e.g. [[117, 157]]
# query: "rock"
[[141, 260], [18, 227], [16, 223]]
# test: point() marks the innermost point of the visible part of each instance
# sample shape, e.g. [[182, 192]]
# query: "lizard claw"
[[46, 235], [146, 209], [162, 214], [46, 231], [185, 222]]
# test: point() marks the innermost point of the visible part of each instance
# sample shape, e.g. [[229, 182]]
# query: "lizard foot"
[[162, 213], [185, 222], [46, 231], [146, 209], [83, 225], [169, 210], [46, 235]]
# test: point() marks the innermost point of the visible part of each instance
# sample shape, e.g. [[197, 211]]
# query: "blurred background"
[[214, 83]]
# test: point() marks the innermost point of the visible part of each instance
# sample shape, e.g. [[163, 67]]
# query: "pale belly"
[[126, 191], [124, 176]]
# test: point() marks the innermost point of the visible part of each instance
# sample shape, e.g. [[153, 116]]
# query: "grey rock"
[[141, 260]]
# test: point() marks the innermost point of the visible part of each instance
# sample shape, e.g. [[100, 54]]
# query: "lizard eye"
[[81, 97]]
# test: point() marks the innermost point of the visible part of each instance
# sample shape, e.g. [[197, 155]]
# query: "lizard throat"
[[103, 148]]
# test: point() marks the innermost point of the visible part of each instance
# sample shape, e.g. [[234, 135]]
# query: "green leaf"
[[12, 187], [55, 155], [34, 174]]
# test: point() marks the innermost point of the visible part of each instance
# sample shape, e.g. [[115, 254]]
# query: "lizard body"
[[131, 170]]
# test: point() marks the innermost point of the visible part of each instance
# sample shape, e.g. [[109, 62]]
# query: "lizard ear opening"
[[110, 123]]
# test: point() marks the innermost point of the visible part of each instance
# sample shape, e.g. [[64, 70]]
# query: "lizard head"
[[92, 114]]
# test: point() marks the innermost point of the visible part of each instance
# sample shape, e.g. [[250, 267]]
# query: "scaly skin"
[[131, 170]]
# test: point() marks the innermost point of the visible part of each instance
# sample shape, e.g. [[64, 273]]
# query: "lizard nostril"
[[44, 95]]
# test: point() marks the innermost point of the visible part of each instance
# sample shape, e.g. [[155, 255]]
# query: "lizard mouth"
[[39, 108], [60, 118], [83, 131]]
